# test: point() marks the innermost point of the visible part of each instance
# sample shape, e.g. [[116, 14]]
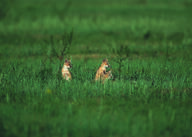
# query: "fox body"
[[106, 76], [65, 70], [102, 74]]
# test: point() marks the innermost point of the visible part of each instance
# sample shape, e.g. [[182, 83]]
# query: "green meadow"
[[149, 47]]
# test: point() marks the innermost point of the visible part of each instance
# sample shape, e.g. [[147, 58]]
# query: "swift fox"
[[102, 74], [65, 70]]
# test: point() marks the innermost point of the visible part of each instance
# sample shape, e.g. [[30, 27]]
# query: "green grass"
[[152, 97]]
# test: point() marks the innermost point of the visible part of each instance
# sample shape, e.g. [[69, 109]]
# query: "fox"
[[102, 75], [65, 70]]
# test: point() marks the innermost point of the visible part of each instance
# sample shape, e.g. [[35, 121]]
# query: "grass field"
[[148, 44]]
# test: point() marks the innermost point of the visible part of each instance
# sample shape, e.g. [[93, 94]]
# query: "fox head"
[[105, 63], [67, 63]]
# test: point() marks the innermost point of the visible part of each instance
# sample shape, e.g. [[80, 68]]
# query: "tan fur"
[[101, 74], [65, 70], [106, 76]]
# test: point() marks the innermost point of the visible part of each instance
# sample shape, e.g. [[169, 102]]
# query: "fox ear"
[[105, 60]]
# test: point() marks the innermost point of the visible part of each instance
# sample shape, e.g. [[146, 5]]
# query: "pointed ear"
[[105, 60]]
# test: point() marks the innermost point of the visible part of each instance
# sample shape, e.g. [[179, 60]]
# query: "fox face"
[[67, 63], [105, 63]]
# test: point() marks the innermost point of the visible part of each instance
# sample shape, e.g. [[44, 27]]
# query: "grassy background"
[[152, 96]]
